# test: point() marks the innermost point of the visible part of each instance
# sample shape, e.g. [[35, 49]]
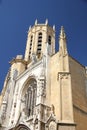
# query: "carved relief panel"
[[52, 125], [41, 87]]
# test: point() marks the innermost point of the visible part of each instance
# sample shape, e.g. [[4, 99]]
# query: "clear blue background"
[[17, 15]]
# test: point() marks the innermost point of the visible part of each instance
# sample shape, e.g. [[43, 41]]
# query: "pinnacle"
[[62, 33]]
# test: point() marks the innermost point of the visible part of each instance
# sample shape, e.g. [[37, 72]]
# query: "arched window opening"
[[49, 40], [39, 43], [30, 97], [31, 39]]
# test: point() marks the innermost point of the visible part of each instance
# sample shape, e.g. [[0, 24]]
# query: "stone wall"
[[78, 80], [55, 91]]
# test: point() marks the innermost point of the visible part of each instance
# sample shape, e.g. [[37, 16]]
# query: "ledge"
[[14, 60]]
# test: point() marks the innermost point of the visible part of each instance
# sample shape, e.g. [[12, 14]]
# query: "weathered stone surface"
[[44, 90]]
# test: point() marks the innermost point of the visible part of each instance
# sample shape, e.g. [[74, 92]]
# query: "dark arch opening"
[[20, 127]]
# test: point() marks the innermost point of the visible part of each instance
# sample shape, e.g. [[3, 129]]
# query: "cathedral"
[[44, 89]]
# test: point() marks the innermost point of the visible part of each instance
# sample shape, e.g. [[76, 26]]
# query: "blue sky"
[[17, 15]]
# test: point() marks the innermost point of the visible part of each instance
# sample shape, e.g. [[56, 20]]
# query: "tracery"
[[30, 97]]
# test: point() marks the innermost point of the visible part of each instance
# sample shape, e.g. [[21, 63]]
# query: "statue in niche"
[[33, 58], [15, 73]]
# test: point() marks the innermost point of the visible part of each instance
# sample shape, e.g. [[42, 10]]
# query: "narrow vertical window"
[[49, 40], [30, 46], [39, 44]]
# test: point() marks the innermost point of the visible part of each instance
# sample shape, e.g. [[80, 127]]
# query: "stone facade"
[[44, 90]]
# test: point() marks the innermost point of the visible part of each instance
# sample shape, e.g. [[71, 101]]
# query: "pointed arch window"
[[39, 43], [30, 49], [30, 98]]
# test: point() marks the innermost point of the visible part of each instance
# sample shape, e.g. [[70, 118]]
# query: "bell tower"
[[38, 36]]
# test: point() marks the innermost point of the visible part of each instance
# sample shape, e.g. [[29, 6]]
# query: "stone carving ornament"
[[52, 125], [41, 90]]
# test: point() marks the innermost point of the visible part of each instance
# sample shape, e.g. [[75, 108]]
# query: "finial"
[[62, 33], [54, 27], [46, 22], [29, 27], [36, 22]]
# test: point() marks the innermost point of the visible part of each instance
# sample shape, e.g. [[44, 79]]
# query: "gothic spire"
[[62, 42], [62, 33], [63, 53]]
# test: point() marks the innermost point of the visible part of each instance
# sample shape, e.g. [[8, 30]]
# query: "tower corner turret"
[[18, 65]]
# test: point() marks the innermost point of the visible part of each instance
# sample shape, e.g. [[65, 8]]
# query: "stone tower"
[[38, 37], [39, 89]]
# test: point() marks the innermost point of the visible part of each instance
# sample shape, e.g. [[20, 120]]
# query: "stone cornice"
[[14, 60]]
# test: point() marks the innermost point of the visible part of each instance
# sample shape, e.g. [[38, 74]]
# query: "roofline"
[[76, 61]]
